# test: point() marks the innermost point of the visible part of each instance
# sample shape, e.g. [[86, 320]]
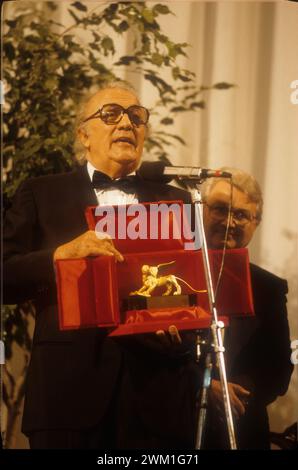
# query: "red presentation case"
[[92, 291]]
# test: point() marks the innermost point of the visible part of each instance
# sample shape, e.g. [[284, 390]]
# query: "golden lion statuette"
[[151, 281]]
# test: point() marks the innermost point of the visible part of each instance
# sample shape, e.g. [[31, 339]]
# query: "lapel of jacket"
[[145, 193], [83, 194]]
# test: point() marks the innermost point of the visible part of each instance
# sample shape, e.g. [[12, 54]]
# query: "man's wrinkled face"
[[115, 149], [242, 225]]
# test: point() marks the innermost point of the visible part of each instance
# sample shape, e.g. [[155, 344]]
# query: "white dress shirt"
[[113, 196]]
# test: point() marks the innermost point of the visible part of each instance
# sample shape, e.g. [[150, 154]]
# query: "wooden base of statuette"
[[139, 302]]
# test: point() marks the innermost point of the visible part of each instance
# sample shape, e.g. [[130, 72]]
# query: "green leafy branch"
[[47, 68]]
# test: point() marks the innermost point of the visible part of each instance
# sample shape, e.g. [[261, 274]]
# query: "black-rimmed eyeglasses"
[[112, 113], [221, 212]]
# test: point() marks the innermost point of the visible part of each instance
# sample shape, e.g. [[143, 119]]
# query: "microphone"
[[161, 172]]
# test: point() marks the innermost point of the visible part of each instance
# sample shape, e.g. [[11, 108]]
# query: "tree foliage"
[[47, 68]]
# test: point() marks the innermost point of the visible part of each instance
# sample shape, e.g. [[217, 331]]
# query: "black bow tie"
[[102, 181]]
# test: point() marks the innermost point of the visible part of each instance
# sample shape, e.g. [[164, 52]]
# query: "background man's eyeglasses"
[[240, 216], [112, 113]]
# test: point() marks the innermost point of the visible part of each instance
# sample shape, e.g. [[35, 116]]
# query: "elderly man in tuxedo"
[[85, 389], [257, 349]]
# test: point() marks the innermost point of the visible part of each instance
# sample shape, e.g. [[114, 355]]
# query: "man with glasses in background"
[[257, 349], [85, 389]]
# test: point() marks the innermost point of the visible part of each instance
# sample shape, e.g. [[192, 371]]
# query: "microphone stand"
[[216, 326]]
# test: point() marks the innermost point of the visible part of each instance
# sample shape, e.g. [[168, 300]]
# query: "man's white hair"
[[242, 181]]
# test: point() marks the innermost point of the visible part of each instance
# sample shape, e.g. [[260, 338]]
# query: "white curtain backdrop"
[[253, 126]]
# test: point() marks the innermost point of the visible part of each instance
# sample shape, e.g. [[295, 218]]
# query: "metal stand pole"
[[216, 334], [204, 402]]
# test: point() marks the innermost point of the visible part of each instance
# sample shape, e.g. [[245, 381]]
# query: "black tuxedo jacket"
[[74, 376], [258, 358]]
